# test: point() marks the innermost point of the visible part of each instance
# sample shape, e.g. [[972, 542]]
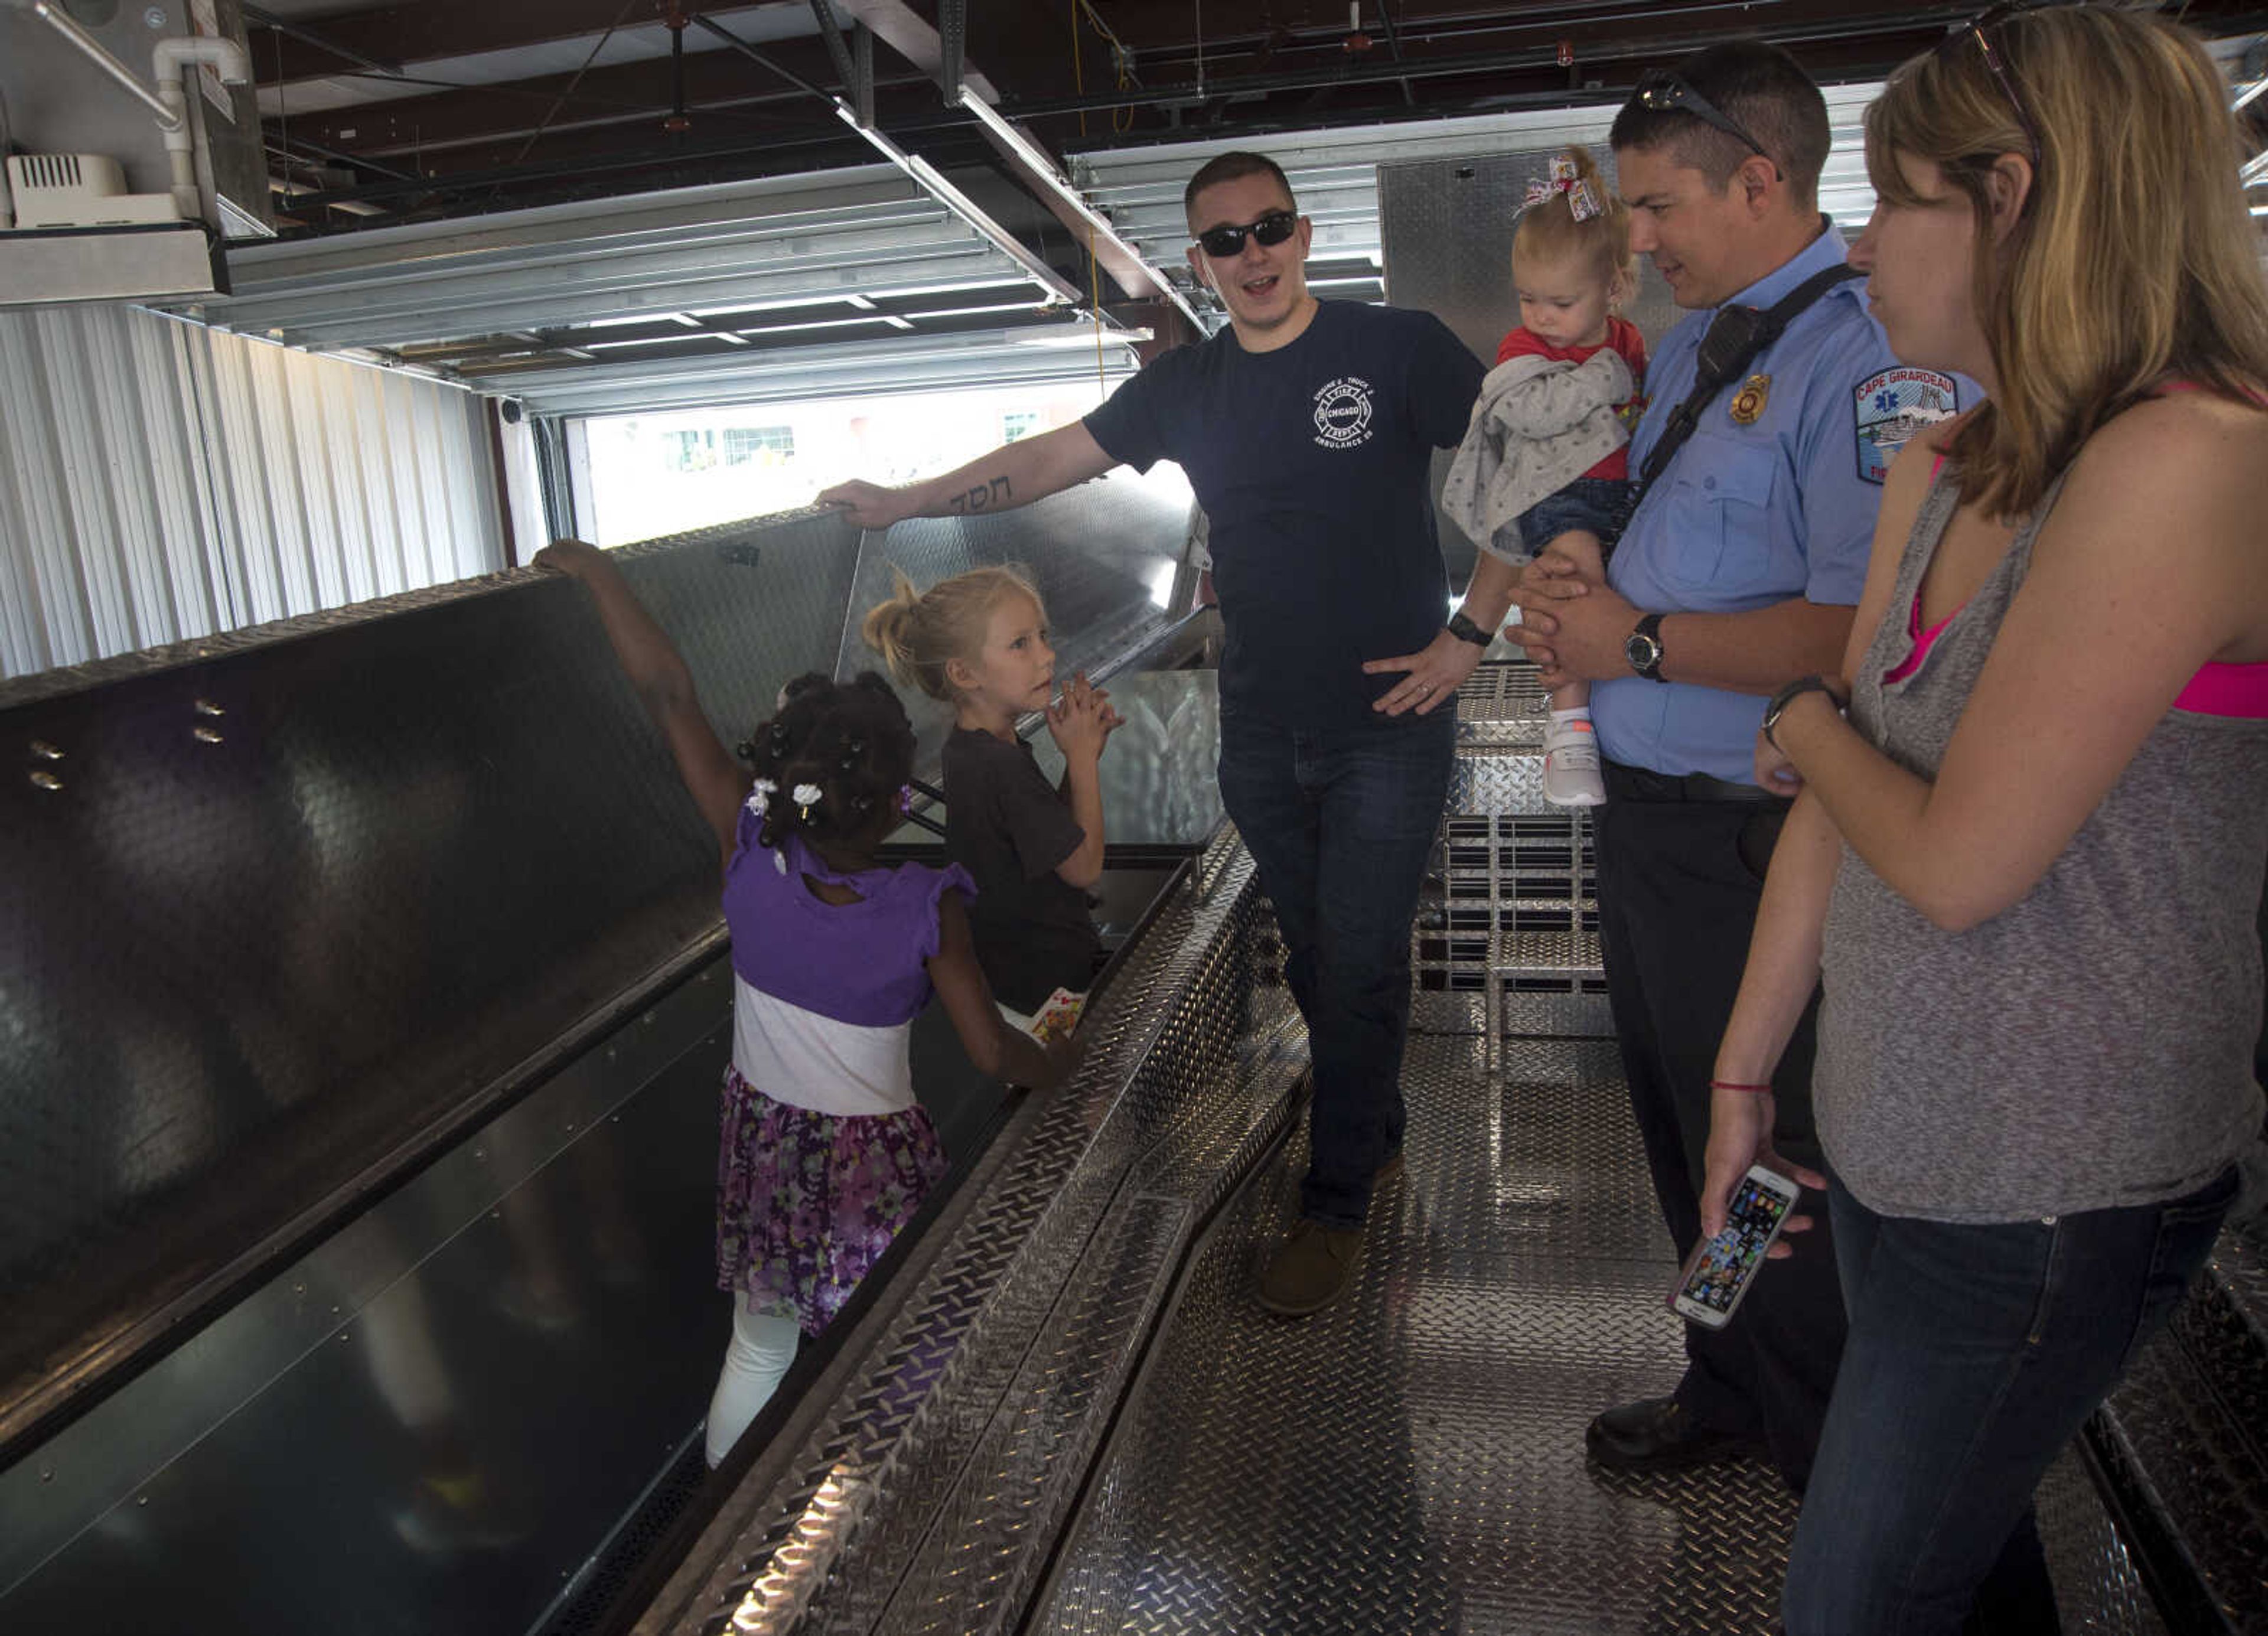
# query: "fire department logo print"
[[1892, 406], [1343, 413]]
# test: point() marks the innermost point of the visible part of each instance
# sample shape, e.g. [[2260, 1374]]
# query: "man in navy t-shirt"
[[1307, 430]]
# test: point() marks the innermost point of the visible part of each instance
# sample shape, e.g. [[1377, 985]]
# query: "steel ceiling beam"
[[612, 93], [907, 33], [1134, 274], [823, 16], [953, 46], [401, 36]]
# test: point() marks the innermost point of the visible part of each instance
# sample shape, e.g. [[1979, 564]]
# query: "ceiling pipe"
[[61, 21]]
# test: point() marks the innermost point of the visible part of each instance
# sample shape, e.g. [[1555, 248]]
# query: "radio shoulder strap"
[[1764, 329]]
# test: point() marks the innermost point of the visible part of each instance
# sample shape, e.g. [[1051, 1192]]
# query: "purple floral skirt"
[[807, 1201]]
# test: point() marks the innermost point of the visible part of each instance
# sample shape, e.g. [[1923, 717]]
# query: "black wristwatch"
[[1465, 630], [1789, 694], [1643, 648]]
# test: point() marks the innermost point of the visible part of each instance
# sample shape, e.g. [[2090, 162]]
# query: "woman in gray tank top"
[[2025, 867]]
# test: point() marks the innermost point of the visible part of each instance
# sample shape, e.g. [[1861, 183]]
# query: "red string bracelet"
[[1735, 1084]]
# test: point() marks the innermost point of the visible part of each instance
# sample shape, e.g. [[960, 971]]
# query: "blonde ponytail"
[[918, 633], [885, 630]]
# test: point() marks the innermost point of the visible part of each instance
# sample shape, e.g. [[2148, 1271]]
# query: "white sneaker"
[[1570, 765]]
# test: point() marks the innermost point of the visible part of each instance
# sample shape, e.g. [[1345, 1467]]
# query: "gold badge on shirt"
[[1748, 401]]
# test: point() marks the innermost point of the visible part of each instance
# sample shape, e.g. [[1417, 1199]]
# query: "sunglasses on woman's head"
[[1664, 91], [1979, 29], [1220, 243]]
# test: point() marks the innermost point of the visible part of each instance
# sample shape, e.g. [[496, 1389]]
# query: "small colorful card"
[[1055, 1019]]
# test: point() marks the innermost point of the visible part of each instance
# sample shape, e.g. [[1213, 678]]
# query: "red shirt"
[[1622, 336]]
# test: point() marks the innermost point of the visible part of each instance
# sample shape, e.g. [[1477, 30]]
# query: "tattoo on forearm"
[[983, 496]]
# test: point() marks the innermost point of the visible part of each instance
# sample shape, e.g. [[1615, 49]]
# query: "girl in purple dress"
[[823, 1155]]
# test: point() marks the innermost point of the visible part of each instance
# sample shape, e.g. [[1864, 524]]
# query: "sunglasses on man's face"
[[1220, 243], [1665, 91]]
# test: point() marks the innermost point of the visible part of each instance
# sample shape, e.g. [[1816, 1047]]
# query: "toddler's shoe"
[[1571, 764]]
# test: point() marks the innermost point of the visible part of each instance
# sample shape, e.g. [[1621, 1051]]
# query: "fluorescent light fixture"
[[817, 323], [897, 292], [643, 341], [781, 305], [971, 312], [1079, 337], [636, 318]]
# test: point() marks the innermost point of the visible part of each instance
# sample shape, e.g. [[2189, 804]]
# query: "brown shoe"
[[1310, 1269]]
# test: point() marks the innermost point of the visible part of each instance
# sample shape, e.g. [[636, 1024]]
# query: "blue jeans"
[[1976, 1352], [1593, 504], [1341, 821]]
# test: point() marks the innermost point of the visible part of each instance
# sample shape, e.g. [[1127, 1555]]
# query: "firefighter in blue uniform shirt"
[[1739, 570]]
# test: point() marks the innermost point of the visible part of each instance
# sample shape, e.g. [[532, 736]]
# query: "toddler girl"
[[979, 642], [824, 1154], [1546, 461]]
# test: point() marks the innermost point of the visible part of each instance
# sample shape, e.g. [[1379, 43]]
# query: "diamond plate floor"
[[1412, 1460]]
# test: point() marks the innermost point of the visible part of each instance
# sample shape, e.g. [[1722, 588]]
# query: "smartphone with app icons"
[[1720, 1270]]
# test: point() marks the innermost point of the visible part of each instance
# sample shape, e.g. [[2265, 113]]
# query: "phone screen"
[[1727, 1261]]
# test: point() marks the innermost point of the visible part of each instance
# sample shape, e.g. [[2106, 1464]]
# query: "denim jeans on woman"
[[1975, 1354], [1340, 821]]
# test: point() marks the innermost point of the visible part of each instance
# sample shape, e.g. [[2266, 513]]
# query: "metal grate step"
[[1502, 703]]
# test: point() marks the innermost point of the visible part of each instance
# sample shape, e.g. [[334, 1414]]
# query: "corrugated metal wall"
[[160, 481]]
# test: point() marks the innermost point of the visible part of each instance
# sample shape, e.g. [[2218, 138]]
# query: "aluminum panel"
[[1499, 779], [1160, 780], [1460, 1008], [2169, 1441], [2185, 1431], [413, 1360], [312, 889], [1446, 226], [866, 229], [1503, 703], [262, 484]]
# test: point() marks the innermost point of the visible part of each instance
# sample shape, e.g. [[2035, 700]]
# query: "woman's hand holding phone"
[[1740, 1135]]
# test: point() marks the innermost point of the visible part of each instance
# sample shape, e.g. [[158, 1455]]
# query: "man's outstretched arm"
[[1015, 473]]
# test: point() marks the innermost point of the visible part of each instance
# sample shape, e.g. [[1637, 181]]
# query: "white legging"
[[763, 1344]]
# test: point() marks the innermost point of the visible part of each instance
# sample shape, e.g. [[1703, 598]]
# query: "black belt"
[[1642, 784]]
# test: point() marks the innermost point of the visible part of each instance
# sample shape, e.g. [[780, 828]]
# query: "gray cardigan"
[[1539, 424]]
